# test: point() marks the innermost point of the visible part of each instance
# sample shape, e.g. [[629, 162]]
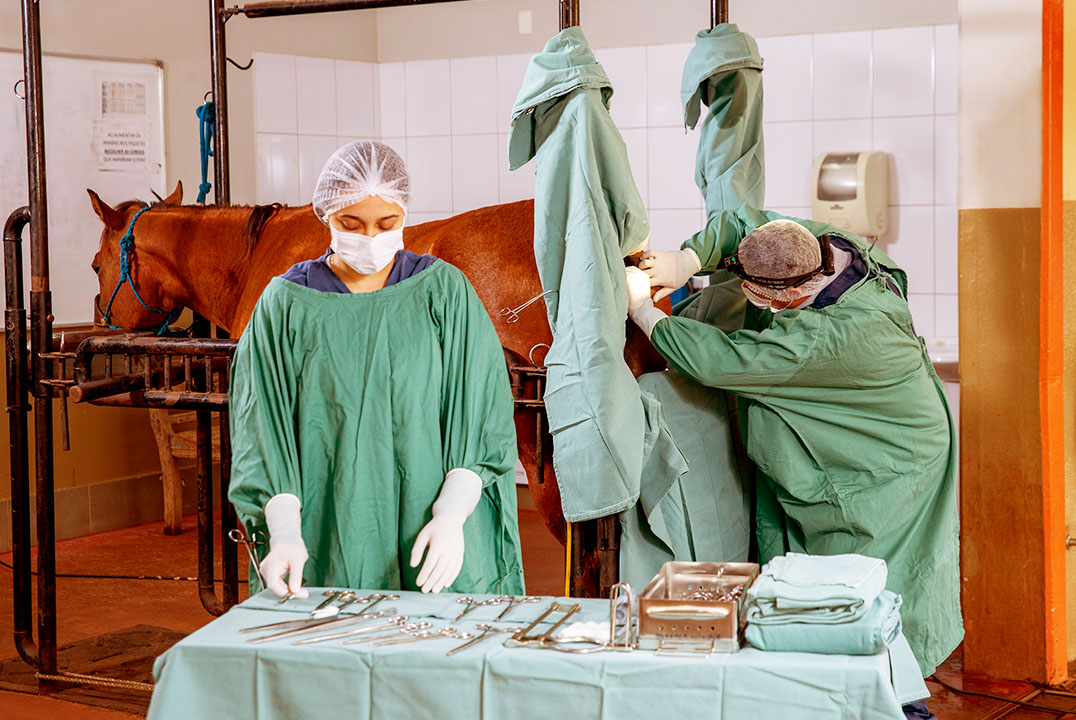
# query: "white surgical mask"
[[755, 299], [363, 253]]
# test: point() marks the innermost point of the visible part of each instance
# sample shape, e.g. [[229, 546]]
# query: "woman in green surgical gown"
[[371, 413]]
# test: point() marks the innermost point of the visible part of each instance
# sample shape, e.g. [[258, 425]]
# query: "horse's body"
[[217, 261]]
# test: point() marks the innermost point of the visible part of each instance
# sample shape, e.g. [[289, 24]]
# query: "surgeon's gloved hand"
[[443, 535], [669, 270], [287, 551], [640, 306]]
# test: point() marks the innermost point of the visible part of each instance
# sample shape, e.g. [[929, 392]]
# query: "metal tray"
[[671, 620]]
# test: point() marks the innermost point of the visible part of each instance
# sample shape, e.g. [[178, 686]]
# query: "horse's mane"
[[259, 215]]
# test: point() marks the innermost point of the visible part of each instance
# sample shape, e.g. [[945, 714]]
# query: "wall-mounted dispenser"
[[850, 191]]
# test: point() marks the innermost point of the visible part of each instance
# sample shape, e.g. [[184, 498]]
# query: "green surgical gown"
[[359, 404], [657, 451], [849, 427]]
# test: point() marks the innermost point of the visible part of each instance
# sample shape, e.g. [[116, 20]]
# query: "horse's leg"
[[546, 495]]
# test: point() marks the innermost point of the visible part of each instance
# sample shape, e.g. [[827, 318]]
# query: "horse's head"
[[126, 311]]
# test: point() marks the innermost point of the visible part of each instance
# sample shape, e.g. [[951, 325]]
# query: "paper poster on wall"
[[122, 146], [104, 129]]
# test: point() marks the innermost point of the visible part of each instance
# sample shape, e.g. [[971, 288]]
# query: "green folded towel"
[[869, 634]]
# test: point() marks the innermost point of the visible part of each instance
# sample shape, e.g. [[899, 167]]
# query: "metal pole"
[[40, 337], [18, 405], [219, 55], [569, 13], [719, 12], [276, 8]]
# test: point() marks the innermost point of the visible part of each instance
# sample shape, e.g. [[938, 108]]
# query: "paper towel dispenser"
[[851, 192]]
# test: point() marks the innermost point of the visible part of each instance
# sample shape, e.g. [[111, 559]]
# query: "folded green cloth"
[[869, 634]]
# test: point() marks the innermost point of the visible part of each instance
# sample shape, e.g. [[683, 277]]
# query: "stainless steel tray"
[[679, 610]]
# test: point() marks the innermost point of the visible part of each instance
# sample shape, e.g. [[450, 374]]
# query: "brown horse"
[[217, 261]]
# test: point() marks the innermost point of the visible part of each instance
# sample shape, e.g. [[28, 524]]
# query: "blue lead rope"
[[126, 248], [206, 116]]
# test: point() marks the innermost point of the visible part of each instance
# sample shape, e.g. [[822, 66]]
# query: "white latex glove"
[[638, 283], [669, 270], [287, 551], [460, 493], [640, 306]]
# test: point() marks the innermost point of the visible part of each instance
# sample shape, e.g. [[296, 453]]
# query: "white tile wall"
[[903, 65], [356, 99], [278, 169], [842, 75], [429, 161], [474, 96], [789, 160], [514, 184], [671, 169], [474, 172], [787, 74], [275, 106], [315, 85], [428, 97], [626, 68], [946, 278], [392, 87], [664, 70], [510, 70], [314, 150], [893, 90]]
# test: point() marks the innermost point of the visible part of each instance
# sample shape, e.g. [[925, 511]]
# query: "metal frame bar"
[[719, 12], [279, 8], [40, 340]]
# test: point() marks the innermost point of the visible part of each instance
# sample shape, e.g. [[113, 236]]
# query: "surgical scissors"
[[257, 538]]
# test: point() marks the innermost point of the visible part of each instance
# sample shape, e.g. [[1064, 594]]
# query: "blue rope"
[[206, 116], [126, 251]]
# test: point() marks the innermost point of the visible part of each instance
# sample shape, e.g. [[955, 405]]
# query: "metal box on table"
[[695, 607]]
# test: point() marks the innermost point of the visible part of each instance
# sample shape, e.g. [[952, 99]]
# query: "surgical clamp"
[[399, 620], [487, 630], [315, 625], [471, 604], [257, 538], [514, 601], [375, 598], [407, 629], [523, 638], [446, 632]]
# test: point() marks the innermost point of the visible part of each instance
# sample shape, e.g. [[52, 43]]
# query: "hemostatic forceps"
[[487, 630], [523, 638], [315, 625], [395, 622], [514, 601], [471, 604], [407, 629], [239, 537]]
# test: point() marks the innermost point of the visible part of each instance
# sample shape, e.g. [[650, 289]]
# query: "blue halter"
[[126, 251]]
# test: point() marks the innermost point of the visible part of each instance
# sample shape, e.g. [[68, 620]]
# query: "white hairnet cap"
[[355, 172], [782, 249]]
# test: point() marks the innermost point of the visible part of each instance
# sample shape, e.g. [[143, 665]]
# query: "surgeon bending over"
[[371, 413], [846, 420]]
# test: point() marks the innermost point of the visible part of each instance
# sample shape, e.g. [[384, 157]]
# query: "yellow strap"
[[568, 561]]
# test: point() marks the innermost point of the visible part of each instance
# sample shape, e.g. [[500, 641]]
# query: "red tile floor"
[[91, 607]]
